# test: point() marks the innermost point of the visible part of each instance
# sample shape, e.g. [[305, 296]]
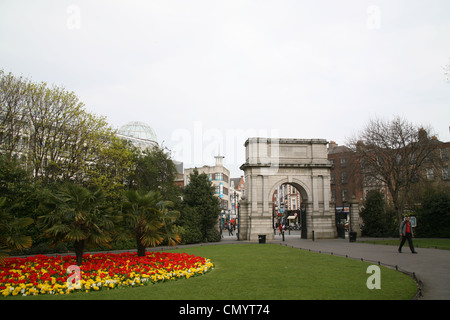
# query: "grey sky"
[[207, 74]]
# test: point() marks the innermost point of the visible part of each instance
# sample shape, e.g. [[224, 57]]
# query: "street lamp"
[[236, 211]]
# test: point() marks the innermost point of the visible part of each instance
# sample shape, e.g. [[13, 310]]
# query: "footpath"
[[431, 267]]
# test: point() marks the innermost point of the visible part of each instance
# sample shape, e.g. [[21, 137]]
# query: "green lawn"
[[443, 244], [266, 272]]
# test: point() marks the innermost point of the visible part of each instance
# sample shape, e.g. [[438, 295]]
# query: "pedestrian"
[[230, 229], [280, 227], [406, 233]]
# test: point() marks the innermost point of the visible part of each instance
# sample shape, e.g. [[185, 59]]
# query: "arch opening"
[[288, 203]]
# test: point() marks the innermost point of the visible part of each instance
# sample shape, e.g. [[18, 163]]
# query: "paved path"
[[431, 266]]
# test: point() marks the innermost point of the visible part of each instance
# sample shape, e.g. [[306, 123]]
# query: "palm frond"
[[18, 242], [75, 234]]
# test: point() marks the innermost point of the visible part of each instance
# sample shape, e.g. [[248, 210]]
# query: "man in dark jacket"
[[406, 232]]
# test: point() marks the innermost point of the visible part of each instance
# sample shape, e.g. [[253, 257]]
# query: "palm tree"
[[11, 235], [76, 214], [145, 218], [171, 234]]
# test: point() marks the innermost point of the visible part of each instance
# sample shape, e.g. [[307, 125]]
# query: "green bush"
[[433, 216], [213, 235], [190, 235], [379, 220]]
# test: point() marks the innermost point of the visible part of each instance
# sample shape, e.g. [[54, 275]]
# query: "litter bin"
[[352, 236], [262, 238]]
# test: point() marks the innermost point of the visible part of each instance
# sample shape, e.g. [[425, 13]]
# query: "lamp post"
[[236, 210], [239, 221]]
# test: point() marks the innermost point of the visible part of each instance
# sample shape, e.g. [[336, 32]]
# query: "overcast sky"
[[208, 74]]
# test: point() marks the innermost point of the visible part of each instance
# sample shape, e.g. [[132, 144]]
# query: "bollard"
[[283, 235], [313, 235]]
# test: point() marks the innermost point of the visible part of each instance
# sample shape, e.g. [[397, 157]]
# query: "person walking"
[[406, 233], [230, 229]]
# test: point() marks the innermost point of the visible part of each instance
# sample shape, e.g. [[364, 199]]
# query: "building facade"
[[237, 190], [348, 180], [220, 179]]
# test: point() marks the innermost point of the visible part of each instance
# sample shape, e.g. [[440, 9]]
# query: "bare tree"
[[393, 153]]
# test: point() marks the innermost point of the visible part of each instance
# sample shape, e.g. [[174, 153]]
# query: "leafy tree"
[[190, 223], [434, 214], [77, 215], [18, 203], [13, 119], [203, 206], [50, 128], [11, 230], [377, 218], [14, 180], [113, 168], [156, 171]]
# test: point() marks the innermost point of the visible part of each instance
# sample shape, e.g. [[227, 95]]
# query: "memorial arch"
[[271, 162]]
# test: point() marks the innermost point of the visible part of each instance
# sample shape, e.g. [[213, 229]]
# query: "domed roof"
[[138, 130]]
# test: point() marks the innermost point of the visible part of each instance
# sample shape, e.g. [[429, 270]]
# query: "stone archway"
[[303, 205], [300, 162]]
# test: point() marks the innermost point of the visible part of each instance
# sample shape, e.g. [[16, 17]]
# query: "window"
[[445, 173], [430, 174], [343, 177], [344, 195], [293, 204], [210, 176], [343, 162], [332, 178], [219, 176], [444, 154]]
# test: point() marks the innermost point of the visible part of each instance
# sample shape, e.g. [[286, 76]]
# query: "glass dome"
[[139, 133], [138, 130]]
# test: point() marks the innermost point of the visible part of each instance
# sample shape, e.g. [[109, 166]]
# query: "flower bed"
[[49, 275]]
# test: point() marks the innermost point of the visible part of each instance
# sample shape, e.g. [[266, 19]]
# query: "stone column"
[[354, 216]]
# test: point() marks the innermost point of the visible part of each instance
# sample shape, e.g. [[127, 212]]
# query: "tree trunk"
[[140, 246], [79, 249]]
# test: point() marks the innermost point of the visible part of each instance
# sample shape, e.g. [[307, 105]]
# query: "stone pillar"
[[354, 216], [244, 221]]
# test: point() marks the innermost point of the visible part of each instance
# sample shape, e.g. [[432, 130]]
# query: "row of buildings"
[[346, 183]]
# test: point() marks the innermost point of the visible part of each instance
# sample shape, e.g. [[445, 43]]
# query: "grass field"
[[443, 244], [265, 272]]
